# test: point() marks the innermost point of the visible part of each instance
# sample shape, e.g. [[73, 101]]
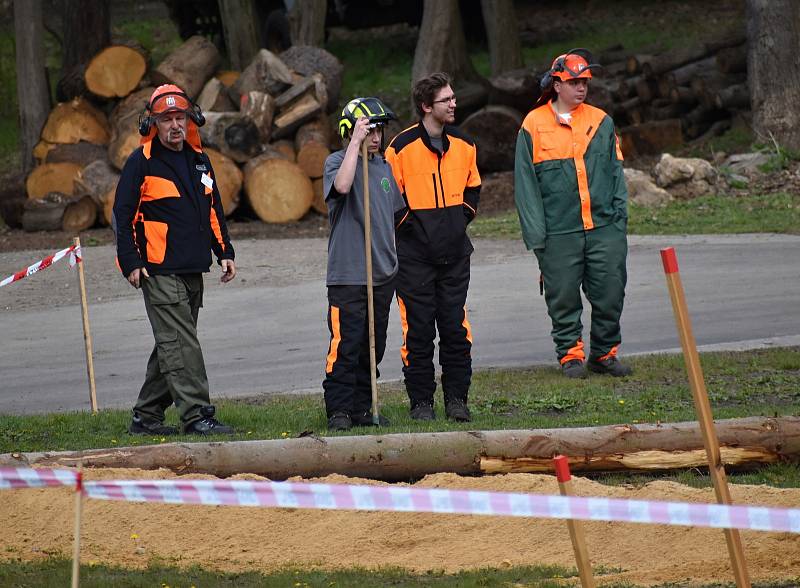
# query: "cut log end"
[[279, 191], [115, 71]]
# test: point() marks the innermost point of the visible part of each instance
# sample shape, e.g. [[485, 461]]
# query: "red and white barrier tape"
[[74, 257], [407, 499]]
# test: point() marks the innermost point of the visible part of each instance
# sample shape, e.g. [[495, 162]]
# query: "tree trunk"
[[241, 29], [502, 34], [83, 153], [52, 177], [278, 190], [115, 71], [229, 180], [33, 95], [74, 121], [87, 30], [494, 130], [744, 442], [773, 31], [441, 45], [517, 88], [189, 66], [307, 22]]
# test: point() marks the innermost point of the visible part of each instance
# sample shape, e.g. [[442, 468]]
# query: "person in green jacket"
[[572, 203]]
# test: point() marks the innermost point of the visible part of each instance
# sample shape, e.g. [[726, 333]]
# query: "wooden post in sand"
[[76, 542], [702, 407], [575, 527], [87, 333]]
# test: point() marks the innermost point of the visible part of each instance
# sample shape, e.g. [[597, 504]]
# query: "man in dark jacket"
[[435, 166], [168, 218]]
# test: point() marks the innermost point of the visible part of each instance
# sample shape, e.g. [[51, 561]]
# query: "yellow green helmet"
[[372, 108]]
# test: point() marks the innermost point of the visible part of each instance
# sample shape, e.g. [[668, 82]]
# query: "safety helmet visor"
[[169, 98], [372, 108], [574, 67]]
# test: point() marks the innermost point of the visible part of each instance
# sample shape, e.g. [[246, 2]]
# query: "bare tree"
[[32, 92], [773, 69], [307, 22], [442, 45], [87, 29], [501, 30], [241, 31]]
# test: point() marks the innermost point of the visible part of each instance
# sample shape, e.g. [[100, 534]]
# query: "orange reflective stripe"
[[147, 148], [466, 325], [215, 226], [612, 353], [155, 188], [156, 235], [619, 148], [404, 324], [582, 140], [575, 352], [336, 338]]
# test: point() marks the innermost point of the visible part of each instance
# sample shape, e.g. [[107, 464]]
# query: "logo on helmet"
[[170, 101]]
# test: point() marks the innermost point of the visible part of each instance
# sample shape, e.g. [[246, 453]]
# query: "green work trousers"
[[594, 261], [176, 371]]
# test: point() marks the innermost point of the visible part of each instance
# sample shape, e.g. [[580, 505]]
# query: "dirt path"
[[39, 523]]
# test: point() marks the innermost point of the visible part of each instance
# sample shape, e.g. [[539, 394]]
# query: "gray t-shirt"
[[347, 265], [437, 143]]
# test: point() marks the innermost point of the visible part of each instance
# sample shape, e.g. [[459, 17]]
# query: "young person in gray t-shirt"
[[347, 384]]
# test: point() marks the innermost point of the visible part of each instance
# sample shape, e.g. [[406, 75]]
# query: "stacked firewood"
[[267, 132], [689, 93]]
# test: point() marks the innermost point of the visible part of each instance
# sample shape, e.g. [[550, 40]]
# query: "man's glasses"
[[446, 100]]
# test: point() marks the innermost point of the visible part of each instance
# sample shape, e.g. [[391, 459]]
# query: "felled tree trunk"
[[494, 130], [229, 179], [115, 71], [52, 177], [189, 66], [278, 190], [744, 442], [57, 211], [76, 120], [82, 153]]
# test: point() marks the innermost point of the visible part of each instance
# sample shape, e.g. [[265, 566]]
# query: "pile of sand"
[[39, 523]]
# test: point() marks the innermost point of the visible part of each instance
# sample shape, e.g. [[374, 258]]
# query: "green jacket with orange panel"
[[168, 220], [441, 190], [568, 177]]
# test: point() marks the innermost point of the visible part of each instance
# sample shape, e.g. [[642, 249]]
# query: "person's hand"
[[228, 270], [360, 130], [136, 276]]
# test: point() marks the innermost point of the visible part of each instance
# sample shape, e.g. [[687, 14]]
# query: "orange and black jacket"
[[168, 218], [441, 190]]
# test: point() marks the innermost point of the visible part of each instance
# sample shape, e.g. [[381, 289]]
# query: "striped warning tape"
[[407, 499], [75, 256]]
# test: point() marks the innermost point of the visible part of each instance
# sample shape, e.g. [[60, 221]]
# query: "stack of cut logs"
[[688, 93], [267, 132]]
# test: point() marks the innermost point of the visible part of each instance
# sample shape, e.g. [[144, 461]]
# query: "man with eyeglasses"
[[434, 164], [573, 209]]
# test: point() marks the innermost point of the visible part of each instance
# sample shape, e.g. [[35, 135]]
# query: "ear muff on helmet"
[[575, 63], [147, 118], [372, 108]]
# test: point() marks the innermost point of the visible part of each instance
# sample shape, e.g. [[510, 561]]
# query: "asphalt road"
[[266, 333]]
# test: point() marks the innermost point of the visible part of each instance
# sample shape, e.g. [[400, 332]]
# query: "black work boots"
[[611, 366], [139, 426], [207, 424], [574, 368]]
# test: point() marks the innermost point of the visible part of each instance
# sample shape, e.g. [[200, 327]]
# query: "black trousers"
[[347, 373], [431, 297]]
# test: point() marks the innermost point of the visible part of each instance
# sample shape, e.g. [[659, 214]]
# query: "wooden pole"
[[370, 305], [575, 527], [76, 542], [703, 409], [87, 333]]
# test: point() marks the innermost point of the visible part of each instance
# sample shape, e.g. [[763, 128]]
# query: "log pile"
[[267, 132]]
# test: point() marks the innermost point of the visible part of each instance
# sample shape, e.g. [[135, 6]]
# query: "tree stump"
[[189, 66], [115, 71], [494, 130], [52, 177], [278, 190], [76, 120], [229, 180]]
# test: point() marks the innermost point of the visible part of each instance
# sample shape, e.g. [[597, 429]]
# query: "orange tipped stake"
[[575, 528]]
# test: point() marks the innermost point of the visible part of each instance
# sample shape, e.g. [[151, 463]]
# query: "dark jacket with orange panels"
[[441, 190], [568, 177], [169, 220]]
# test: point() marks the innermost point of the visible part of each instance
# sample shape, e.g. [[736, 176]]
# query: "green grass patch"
[[715, 214], [754, 383], [159, 37]]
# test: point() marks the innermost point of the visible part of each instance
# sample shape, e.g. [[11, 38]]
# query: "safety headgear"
[[572, 65], [168, 98], [372, 108]]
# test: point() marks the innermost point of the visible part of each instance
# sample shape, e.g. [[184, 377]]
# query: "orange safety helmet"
[[572, 65], [170, 98]]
